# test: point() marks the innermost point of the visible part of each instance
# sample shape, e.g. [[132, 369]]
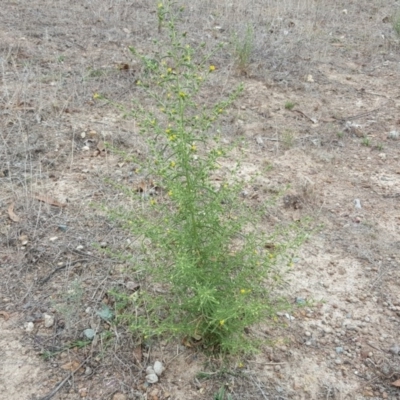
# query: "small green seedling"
[[289, 105], [366, 142]]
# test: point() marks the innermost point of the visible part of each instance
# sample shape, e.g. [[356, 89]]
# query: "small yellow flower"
[[169, 70], [219, 152], [212, 68], [193, 148], [170, 193], [172, 138], [220, 111], [153, 202], [96, 96], [182, 95], [160, 5], [168, 130], [222, 322], [240, 365], [172, 164], [138, 82], [243, 291]]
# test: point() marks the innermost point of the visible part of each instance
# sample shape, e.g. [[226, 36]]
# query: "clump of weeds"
[[208, 266], [289, 105], [243, 48]]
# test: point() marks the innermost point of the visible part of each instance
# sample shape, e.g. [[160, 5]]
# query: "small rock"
[[89, 333], [382, 156], [119, 396], [308, 334], [158, 368], [395, 349], [132, 286], [103, 245], [80, 247], [394, 135], [151, 378], [48, 320], [338, 361], [300, 300], [357, 203], [53, 239], [29, 326], [339, 350], [150, 370], [259, 140], [88, 371], [354, 129]]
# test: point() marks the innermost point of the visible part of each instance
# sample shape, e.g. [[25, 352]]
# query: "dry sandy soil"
[[338, 61]]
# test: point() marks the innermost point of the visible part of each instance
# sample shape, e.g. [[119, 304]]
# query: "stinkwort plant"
[[201, 246], [243, 48]]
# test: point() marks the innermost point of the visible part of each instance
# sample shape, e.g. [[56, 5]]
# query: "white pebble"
[[29, 327], [158, 368], [48, 321]]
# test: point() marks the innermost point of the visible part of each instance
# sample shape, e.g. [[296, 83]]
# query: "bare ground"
[[339, 64]]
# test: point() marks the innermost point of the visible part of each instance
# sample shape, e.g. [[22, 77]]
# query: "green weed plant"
[[209, 267], [396, 23], [243, 48]]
